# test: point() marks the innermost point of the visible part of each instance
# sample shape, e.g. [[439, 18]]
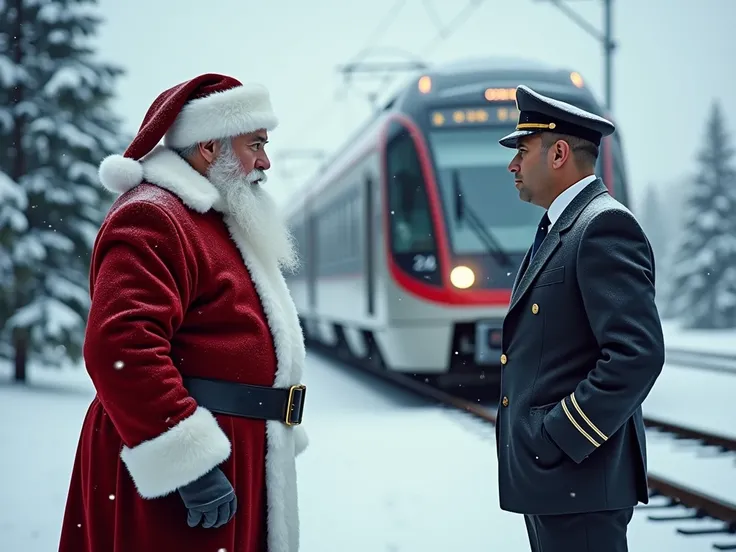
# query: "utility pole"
[[605, 38], [608, 46]]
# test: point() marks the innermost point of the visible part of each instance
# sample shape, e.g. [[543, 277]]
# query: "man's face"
[[250, 151], [531, 173], [237, 171]]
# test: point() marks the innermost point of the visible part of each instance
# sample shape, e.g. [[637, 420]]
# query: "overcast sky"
[[671, 63]]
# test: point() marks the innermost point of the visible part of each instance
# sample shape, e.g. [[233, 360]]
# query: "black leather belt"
[[249, 401]]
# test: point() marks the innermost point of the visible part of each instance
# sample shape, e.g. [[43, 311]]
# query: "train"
[[411, 234]]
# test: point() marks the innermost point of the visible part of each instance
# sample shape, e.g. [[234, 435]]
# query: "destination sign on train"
[[473, 116], [500, 94]]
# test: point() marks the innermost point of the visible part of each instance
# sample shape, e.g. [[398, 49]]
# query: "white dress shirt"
[[565, 198]]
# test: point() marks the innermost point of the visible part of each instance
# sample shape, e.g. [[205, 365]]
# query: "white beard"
[[254, 210]]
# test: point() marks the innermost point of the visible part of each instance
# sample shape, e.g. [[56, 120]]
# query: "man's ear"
[[208, 150], [561, 151]]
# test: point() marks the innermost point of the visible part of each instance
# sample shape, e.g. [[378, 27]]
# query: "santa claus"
[[193, 341]]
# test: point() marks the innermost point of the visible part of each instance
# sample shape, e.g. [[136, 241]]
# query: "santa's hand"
[[211, 497]]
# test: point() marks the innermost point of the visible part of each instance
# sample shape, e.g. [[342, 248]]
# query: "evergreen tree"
[[673, 215], [56, 126], [704, 286], [13, 222]]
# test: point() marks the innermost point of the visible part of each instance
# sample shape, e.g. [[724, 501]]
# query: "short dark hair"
[[585, 152]]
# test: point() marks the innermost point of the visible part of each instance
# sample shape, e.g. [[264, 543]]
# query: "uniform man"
[[582, 342], [193, 342]]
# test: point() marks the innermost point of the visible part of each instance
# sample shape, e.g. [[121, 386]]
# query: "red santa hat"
[[207, 107]]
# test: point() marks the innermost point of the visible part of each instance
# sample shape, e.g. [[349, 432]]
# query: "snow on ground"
[[708, 470], [695, 399], [384, 470], [709, 341], [39, 431]]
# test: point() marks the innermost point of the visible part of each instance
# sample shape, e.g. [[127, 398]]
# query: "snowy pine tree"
[[13, 222], [704, 286], [55, 128]]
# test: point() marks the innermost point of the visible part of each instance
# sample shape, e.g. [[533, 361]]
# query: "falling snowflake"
[[111, 497], [119, 365]]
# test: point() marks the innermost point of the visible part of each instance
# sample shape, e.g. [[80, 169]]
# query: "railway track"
[[714, 362], [677, 501]]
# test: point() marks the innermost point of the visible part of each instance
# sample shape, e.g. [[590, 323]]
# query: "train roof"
[[499, 71]]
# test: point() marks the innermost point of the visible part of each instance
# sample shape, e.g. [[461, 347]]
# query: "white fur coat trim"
[[178, 456], [164, 168], [283, 443], [223, 114]]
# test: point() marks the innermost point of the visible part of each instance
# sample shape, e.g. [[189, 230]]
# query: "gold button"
[[503, 359], [505, 401], [535, 308]]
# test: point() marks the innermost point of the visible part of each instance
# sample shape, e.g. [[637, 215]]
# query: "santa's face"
[[250, 149], [252, 207]]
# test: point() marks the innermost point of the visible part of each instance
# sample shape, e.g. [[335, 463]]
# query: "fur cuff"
[[301, 439], [178, 456]]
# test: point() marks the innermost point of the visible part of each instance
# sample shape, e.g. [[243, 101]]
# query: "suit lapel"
[[549, 246], [525, 278], [520, 272]]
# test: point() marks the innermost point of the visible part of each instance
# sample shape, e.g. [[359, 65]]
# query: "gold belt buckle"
[[295, 391]]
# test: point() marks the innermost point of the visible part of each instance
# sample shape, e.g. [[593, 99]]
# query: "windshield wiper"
[[464, 211]]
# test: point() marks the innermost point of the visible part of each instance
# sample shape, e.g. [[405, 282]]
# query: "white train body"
[[390, 269]]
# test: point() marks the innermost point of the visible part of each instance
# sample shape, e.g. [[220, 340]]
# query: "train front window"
[[411, 231], [473, 159]]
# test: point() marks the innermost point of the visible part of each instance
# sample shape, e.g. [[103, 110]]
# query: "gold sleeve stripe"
[[584, 417], [577, 426]]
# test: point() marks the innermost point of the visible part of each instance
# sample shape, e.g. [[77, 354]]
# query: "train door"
[[369, 237]]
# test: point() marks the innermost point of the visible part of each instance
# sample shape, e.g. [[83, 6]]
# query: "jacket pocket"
[[547, 454]]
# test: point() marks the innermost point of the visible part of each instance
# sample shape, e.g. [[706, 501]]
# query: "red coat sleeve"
[[141, 284]]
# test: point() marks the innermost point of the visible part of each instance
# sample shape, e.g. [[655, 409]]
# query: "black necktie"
[[541, 234]]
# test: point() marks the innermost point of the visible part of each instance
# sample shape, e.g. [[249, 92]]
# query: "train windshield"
[[473, 160]]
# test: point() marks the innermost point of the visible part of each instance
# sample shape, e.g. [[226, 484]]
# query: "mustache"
[[256, 175]]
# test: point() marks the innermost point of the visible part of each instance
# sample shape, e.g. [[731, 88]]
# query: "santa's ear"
[[209, 150]]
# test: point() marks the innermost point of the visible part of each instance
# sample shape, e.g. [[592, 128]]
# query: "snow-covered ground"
[[709, 341], [695, 399], [384, 470], [706, 469]]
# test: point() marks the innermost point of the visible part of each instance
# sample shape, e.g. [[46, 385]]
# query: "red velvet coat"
[[175, 292]]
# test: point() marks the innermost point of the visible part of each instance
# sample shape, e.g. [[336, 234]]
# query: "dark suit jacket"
[[583, 345]]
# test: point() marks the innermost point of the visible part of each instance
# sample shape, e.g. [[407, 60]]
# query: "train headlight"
[[462, 277], [425, 84], [576, 79]]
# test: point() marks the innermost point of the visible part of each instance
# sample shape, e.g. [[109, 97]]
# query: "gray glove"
[[212, 497]]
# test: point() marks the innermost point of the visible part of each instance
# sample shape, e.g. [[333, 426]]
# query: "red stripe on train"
[[446, 294]]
